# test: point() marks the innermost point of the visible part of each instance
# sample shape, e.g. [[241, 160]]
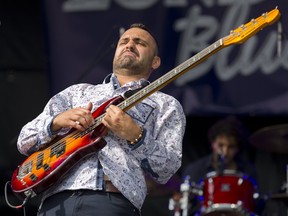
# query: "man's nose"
[[130, 45]]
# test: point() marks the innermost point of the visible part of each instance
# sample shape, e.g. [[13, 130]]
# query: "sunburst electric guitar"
[[44, 167]]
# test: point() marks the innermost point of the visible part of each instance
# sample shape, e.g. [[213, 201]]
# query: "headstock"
[[245, 31]]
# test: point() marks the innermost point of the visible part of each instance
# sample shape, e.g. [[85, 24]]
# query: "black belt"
[[108, 186]]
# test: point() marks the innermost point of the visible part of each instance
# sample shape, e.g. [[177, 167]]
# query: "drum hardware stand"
[[286, 184], [286, 180], [181, 204], [185, 189], [174, 205], [284, 187]]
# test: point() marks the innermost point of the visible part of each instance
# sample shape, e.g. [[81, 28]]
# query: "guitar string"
[[55, 147]]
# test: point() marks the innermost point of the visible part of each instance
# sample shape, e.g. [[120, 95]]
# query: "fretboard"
[[171, 75]]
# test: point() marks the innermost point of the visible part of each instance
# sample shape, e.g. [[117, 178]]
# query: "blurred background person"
[[227, 161], [228, 138]]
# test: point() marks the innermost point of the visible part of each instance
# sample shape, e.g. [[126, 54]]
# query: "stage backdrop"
[[250, 78]]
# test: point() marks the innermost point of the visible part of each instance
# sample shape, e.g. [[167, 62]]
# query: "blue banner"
[[248, 78]]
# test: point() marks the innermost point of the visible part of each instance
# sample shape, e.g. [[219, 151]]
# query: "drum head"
[[226, 173], [228, 194], [225, 213], [230, 173], [225, 210]]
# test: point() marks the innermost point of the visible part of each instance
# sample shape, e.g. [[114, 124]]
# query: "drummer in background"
[[227, 137]]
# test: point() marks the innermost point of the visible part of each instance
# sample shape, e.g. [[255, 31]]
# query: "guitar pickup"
[[46, 167], [33, 177], [39, 162], [58, 150]]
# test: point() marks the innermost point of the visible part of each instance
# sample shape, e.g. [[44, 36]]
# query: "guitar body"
[[43, 168]]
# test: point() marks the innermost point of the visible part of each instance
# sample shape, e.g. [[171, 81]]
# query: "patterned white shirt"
[[158, 153]]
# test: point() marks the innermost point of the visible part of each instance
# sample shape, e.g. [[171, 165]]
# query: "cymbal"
[[280, 196], [272, 139]]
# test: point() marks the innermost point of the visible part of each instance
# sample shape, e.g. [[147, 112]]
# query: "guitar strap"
[[143, 83]]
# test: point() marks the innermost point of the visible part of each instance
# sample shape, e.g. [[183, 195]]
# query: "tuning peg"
[[243, 26], [253, 21], [264, 15]]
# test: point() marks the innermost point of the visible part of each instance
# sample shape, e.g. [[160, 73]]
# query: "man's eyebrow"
[[137, 39], [124, 39]]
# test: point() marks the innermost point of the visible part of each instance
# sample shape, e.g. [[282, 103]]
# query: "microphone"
[[221, 163]]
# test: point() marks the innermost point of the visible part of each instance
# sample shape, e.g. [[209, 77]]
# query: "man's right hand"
[[79, 118]]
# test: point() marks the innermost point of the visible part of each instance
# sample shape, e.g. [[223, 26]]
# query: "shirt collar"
[[129, 85]]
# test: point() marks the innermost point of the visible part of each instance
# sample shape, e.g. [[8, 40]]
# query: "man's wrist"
[[136, 140]]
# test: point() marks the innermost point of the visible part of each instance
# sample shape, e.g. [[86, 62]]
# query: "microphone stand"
[[221, 164]]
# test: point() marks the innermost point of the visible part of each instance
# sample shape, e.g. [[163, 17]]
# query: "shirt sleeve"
[[160, 152], [36, 133]]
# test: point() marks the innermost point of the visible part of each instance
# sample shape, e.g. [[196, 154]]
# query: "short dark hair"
[[229, 126], [145, 28]]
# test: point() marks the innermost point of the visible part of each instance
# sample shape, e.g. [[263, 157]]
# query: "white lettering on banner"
[[85, 5], [193, 41], [90, 5], [198, 30], [251, 56], [248, 61], [136, 4], [176, 3]]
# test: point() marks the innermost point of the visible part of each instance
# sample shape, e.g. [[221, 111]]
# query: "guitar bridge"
[[25, 169]]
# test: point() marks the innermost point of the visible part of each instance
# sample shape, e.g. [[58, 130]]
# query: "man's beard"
[[129, 63]]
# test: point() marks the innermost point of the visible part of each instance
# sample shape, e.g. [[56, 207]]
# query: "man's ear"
[[156, 62]]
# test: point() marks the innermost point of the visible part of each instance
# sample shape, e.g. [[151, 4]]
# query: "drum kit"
[[227, 194], [231, 193]]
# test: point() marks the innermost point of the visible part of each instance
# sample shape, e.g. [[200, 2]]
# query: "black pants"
[[87, 203]]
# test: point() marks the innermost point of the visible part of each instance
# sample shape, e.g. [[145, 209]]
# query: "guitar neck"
[[236, 36], [162, 81], [171, 75]]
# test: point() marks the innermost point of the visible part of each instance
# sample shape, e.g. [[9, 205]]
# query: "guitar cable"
[[17, 206]]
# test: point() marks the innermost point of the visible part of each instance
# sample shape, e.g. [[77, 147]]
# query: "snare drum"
[[230, 194]]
